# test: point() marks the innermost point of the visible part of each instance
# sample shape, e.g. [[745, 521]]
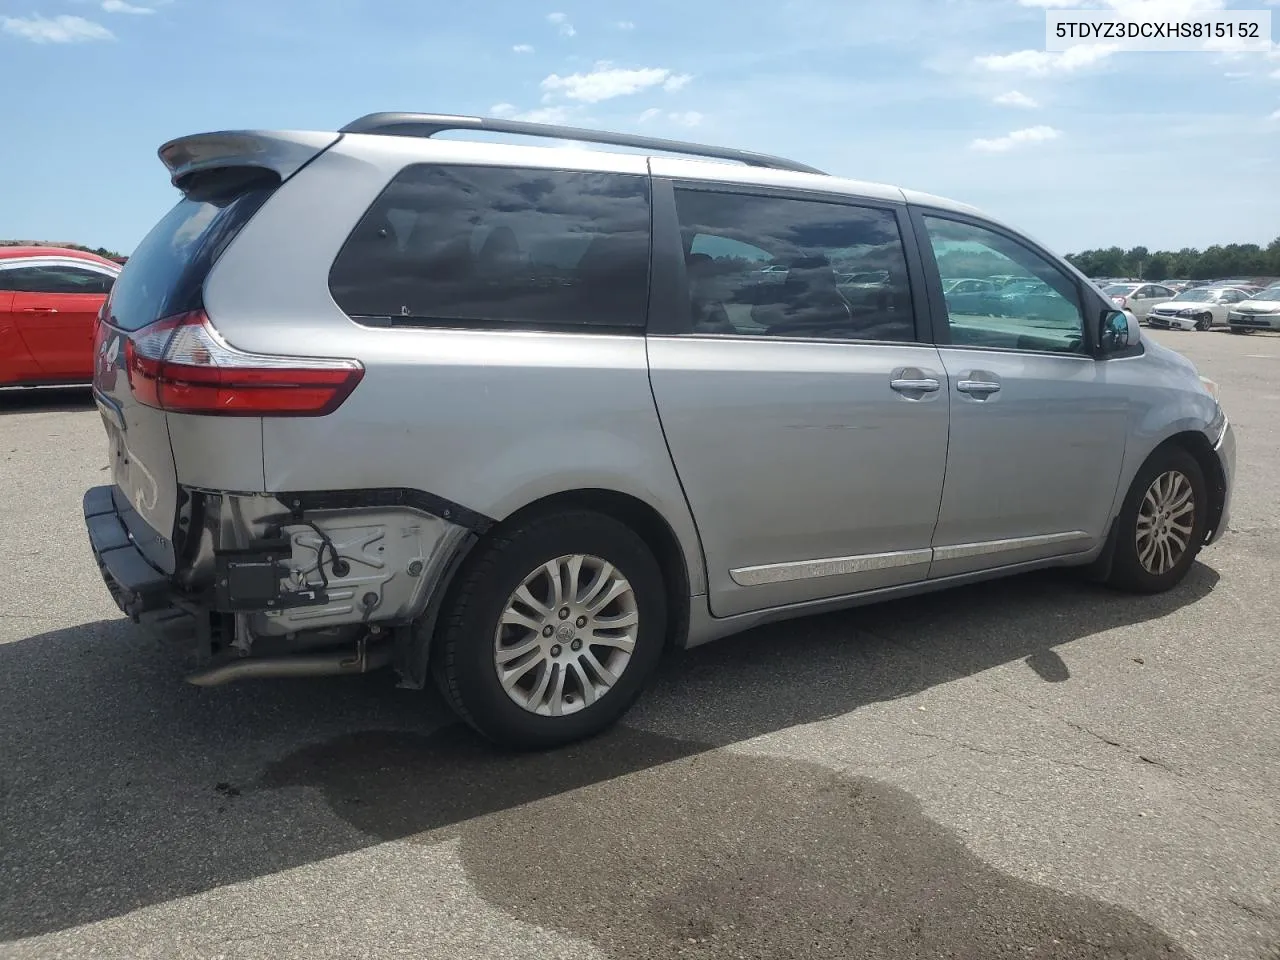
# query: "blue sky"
[[955, 97]]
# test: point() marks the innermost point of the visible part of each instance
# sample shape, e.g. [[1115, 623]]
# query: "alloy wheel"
[[566, 635], [1166, 517]]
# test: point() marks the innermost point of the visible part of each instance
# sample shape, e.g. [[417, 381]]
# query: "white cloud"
[[509, 111], [1039, 63], [605, 82], [561, 22], [1274, 116], [630, 24], [119, 6], [683, 118], [1015, 98], [546, 115], [1016, 138], [60, 29], [1276, 75], [522, 48]]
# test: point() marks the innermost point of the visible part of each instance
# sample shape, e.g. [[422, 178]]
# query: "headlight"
[[1210, 388], [1189, 312]]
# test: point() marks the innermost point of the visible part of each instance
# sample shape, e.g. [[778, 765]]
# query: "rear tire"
[[1161, 526], [568, 675]]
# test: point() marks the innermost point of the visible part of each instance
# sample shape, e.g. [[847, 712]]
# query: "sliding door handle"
[[915, 385], [978, 388]]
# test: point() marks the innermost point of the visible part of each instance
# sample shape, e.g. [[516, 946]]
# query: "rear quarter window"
[[165, 274], [454, 245]]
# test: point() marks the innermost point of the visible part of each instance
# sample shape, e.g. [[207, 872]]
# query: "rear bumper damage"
[[289, 585], [136, 586]]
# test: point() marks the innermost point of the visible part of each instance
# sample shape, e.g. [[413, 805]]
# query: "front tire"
[[1204, 322], [1162, 522], [551, 630]]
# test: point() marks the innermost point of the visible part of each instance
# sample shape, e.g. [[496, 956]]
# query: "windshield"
[[1271, 293], [1199, 296]]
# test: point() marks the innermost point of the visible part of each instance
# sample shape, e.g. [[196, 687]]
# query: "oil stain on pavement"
[[652, 847]]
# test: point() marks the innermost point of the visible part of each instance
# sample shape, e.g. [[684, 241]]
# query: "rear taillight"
[[182, 365], [1120, 301]]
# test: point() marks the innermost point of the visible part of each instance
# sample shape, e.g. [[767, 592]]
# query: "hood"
[[1258, 306], [1176, 305], [1169, 356]]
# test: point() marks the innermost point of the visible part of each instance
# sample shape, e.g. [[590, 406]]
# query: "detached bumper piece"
[[136, 586]]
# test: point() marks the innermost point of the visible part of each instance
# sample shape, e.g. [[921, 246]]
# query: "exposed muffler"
[[362, 660]]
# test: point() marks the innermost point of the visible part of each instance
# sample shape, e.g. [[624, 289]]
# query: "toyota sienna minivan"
[[521, 418]]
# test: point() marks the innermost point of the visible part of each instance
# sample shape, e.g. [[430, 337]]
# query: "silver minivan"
[[520, 418]]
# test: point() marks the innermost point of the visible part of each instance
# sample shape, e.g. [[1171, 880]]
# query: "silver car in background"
[[520, 419], [1199, 308], [1261, 311], [1138, 298]]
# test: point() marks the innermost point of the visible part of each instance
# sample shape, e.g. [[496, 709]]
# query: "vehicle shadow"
[[122, 787], [46, 400]]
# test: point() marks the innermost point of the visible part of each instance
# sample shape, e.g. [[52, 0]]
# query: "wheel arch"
[[1195, 443], [648, 523], [414, 648]]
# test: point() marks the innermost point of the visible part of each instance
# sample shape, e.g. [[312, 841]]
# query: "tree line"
[[1216, 262], [100, 251]]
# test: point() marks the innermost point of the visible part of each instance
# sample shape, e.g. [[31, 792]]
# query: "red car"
[[49, 300]]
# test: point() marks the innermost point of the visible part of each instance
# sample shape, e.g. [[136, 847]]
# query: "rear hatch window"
[[165, 274]]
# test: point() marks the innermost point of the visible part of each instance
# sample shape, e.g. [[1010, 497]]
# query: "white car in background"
[[1196, 309], [1138, 298], [1260, 312]]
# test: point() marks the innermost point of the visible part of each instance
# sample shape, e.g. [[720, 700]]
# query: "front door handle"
[[978, 388], [915, 384]]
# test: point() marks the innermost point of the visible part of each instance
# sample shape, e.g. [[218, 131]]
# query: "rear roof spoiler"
[[283, 152]]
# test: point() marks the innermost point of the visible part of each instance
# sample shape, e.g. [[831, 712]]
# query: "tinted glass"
[[165, 274], [55, 278], [1039, 309], [493, 245], [776, 267]]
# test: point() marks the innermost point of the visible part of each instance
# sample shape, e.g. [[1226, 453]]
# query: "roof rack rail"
[[429, 124]]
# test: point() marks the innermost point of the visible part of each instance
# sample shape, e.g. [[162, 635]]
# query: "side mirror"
[[1119, 331]]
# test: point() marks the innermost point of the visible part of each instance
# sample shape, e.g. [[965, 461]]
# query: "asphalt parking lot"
[[1034, 768]]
